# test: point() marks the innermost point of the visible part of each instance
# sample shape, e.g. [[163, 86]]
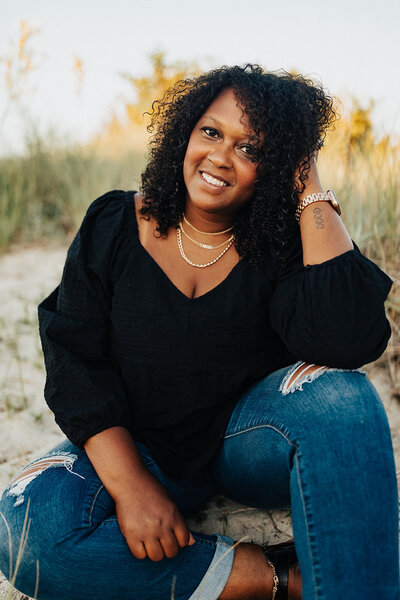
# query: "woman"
[[207, 337]]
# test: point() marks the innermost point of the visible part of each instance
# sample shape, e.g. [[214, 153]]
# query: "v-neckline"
[[163, 273]]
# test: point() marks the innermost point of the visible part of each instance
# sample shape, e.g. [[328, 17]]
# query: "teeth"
[[213, 181]]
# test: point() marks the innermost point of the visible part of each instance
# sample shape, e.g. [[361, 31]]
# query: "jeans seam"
[[93, 503], [309, 536], [306, 507], [260, 427]]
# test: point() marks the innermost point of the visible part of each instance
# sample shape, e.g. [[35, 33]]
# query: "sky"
[[351, 46]]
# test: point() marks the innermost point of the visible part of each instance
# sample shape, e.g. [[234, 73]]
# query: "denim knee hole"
[[35, 468], [303, 372]]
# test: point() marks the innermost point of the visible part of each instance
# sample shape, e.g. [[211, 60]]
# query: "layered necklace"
[[181, 230]]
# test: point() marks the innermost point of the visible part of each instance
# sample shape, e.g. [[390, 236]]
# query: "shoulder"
[[108, 216], [107, 227], [109, 207]]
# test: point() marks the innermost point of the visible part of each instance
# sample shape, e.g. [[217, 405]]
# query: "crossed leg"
[[318, 440]]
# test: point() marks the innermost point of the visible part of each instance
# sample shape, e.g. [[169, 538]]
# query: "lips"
[[213, 179]]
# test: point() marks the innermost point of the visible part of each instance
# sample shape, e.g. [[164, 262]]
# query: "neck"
[[208, 222]]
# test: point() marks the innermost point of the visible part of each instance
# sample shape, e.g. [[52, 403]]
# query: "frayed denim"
[[319, 444]]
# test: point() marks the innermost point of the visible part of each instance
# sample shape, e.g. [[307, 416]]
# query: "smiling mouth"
[[213, 180]]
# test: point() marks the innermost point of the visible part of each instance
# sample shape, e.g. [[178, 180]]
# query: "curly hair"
[[289, 116]]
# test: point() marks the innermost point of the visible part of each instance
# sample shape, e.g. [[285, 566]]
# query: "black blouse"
[[123, 346]]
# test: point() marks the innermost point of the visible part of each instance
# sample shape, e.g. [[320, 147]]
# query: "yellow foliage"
[[361, 125], [78, 70], [19, 61], [147, 89], [24, 53], [130, 132], [24, 37], [353, 136]]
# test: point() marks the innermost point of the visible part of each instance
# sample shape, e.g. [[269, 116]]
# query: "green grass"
[[44, 194]]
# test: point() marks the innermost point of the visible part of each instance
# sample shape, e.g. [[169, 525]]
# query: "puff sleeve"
[[83, 386], [331, 313]]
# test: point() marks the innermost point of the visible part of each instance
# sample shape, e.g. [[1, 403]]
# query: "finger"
[[169, 544], [154, 550], [183, 534], [138, 549]]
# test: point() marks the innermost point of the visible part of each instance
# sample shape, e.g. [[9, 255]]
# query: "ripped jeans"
[[316, 442]]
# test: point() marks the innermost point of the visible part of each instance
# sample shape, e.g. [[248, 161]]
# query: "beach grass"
[[45, 192]]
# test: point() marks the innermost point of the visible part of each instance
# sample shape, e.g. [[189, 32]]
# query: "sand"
[[27, 427]]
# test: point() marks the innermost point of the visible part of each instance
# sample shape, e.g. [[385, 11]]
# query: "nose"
[[220, 157]]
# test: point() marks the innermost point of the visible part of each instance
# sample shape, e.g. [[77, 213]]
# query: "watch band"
[[328, 196]]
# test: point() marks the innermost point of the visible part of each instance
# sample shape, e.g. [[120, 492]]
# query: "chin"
[[209, 203]]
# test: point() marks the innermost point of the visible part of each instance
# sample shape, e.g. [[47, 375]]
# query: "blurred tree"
[[151, 87], [353, 133], [129, 131], [360, 126]]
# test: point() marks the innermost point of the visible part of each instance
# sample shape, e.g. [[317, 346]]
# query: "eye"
[[210, 131], [250, 151]]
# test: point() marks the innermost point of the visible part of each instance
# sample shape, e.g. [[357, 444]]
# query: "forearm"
[[116, 459], [333, 312], [323, 233]]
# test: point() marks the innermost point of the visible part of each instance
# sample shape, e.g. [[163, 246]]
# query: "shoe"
[[283, 556]]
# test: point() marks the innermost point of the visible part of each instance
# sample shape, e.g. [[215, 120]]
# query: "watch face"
[[334, 201]]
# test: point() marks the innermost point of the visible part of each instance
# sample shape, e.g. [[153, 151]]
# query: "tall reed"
[[44, 194]]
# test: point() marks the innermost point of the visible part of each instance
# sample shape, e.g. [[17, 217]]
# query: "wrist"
[[312, 188], [328, 196], [128, 486]]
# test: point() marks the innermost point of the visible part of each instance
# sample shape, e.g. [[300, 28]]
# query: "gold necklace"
[[206, 246], [181, 250], [206, 232]]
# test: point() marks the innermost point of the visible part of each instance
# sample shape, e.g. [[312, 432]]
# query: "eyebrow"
[[213, 119]]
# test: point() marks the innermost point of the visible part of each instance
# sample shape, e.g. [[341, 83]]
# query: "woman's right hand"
[[150, 521]]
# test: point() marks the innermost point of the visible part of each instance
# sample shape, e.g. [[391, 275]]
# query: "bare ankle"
[[251, 576]]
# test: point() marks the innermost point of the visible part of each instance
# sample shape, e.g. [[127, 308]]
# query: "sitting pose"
[[207, 337]]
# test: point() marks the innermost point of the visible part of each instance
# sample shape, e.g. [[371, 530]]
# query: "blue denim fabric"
[[322, 447]]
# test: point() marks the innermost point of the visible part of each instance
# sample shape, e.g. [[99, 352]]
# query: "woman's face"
[[220, 163]]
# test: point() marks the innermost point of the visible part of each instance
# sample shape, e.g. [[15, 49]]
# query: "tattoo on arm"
[[318, 218]]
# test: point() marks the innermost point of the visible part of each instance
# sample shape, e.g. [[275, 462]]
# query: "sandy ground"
[[27, 427]]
